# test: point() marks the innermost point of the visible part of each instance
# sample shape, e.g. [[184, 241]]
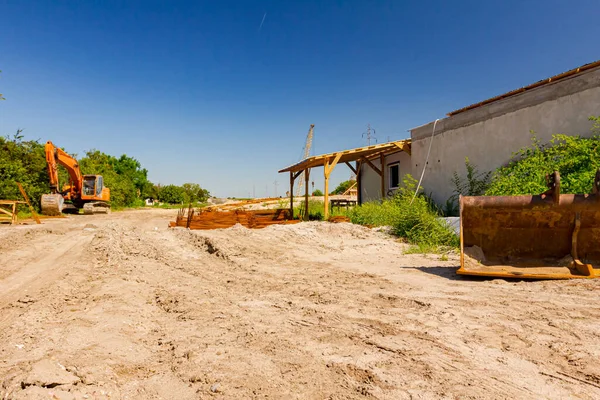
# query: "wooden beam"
[[297, 174], [328, 168], [359, 183], [382, 161], [404, 146], [372, 166], [326, 194], [35, 216], [292, 178], [306, 177], [351, 168]]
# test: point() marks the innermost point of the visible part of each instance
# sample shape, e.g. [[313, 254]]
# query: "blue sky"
[[201, 92]]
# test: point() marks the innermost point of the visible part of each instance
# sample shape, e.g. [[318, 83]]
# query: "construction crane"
[[307, 146]]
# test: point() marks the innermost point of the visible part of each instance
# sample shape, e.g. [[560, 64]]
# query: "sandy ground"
[[122, 307]]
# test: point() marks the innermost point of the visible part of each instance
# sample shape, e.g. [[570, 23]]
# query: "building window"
[[394, 174]]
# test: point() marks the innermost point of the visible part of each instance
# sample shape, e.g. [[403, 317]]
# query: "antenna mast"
[[370, 134]]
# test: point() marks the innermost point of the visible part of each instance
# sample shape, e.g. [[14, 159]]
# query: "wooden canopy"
[[369, 152], [329, 161]]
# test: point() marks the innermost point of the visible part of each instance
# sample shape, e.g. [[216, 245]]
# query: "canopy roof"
[[368, 152]]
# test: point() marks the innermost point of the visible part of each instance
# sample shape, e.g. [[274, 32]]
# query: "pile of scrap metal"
[[547, 236], [214, 219]]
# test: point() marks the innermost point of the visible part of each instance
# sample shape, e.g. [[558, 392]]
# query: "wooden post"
[[306, 177], [382, 158], [328, 168], [14, 213], [291, 195], [326, 194], [358, 183]]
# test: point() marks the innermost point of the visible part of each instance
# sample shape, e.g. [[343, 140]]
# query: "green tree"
[[194, 193], [317, 193], [171, 194], [342, 187], [22, 161]]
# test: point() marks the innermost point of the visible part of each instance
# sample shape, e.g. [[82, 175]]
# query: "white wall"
[[371, 181]]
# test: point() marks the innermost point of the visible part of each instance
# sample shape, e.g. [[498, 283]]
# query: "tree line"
[[24, 161]]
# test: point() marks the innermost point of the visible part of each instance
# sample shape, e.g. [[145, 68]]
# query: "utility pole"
[[275, 184], [370, 134]]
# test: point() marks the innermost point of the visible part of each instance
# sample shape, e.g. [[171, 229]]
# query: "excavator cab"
[[94, 196], [93, 187]]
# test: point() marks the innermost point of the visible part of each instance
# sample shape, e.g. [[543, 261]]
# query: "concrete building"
[[488, 133]]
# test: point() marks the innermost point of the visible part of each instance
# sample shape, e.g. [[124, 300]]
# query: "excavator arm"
[[56, 156]]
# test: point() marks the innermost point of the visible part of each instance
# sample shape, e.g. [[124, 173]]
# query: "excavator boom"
[[56, 156]]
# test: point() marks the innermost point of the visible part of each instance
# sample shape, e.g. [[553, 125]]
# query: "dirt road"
[[122, 307]]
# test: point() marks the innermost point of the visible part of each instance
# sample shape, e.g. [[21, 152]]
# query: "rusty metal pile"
[[215, 219]]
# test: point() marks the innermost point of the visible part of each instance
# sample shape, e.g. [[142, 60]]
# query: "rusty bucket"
[[547, 236]]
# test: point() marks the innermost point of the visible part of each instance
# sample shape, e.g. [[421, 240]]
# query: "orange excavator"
[[85, 192]]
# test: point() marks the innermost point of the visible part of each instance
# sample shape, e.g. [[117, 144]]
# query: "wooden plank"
[[372, 166], [292, 179], [35, 216]]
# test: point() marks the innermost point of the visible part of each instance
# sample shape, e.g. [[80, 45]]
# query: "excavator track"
[[96, 207]]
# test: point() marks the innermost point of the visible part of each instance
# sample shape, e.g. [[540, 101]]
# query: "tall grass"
[[415, 221]]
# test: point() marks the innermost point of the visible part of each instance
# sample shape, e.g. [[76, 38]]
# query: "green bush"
[[411, 218], [25, 162], [317, 193], [576, 159]]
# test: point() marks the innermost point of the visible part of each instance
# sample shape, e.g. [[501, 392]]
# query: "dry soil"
[[120, 306]]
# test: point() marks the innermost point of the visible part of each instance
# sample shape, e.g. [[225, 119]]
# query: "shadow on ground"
[[450, 273]]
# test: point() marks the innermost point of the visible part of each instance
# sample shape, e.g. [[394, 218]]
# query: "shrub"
[[317, 193], [412, 218], [576, 159], [474, 183]]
